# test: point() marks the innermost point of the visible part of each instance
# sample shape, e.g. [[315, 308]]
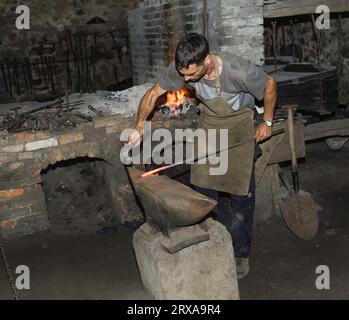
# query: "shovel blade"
[[300, 213]]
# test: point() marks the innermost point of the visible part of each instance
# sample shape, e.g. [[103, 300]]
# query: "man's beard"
[[198, 78]]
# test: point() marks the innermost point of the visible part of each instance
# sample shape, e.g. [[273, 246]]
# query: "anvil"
[[170, 206]]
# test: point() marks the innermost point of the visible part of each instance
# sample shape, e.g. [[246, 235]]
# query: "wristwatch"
[[268, 123]]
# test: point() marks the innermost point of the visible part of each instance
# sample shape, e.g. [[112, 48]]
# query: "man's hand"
[[135, 137], [263, 132], [270, 94]]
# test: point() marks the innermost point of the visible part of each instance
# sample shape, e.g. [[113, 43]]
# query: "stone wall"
[[333, 45], [52, 22], [157, 25]]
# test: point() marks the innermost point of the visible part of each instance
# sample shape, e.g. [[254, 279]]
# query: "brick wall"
[[241, 29], [23, 157], [157, 25]]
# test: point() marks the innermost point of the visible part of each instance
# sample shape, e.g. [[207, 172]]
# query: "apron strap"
[[216, 75]]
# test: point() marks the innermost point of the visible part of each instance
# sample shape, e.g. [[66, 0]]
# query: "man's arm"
[[147, 104], [270, 94]]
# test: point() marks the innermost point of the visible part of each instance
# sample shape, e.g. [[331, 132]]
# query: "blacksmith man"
[[227, 87]]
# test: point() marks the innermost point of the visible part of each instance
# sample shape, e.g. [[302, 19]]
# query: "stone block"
[[10, 213], [23, 212], [13, 148], [25, 137], [40, 144], [6, 195], [204, 271], [81, 149], [107, 121], [71, 137], [67, 152], [24, 226], [92, 150], [5, 158], [20, 197], [16, 165], [28, 180], [25, 155], [5, 139]]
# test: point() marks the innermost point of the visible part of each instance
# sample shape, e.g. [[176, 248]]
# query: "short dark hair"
[[191, 49]]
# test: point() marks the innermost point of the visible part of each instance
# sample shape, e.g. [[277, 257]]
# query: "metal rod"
[[9, 78], [25, 77], [273, 23], [205, 156], [4, 76]]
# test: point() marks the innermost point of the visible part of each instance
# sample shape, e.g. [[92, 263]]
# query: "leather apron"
[[217, 114]]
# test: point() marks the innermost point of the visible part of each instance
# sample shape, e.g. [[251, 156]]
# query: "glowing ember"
[[151, 172]]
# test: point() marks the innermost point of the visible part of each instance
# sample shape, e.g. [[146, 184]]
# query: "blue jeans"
[[236, 213]]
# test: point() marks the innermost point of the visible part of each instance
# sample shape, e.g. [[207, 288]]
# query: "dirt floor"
[[89, 262]]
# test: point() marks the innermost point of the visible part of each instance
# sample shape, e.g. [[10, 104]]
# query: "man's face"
[[194, 72]]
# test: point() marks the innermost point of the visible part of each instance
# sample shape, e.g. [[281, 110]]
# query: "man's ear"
[[207, 60]]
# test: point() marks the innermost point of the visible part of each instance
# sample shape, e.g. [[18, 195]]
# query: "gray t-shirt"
[[241, 82]]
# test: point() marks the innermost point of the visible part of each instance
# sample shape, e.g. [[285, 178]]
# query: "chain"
[[8, 272]]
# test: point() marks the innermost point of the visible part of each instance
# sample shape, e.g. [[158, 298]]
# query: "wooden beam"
[[294, 8], [326, 129]]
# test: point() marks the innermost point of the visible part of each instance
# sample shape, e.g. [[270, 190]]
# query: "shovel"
[[299, 210]]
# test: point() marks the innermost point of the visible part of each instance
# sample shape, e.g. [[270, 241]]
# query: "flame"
[[176, 98]]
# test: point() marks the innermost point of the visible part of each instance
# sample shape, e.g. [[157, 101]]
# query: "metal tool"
[[205, 156], [170, 214], [298, 209]]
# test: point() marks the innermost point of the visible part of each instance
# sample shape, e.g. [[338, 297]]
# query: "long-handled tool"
[[299, 210], [206, 155]]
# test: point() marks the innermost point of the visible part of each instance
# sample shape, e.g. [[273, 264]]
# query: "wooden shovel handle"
[[293, 149]]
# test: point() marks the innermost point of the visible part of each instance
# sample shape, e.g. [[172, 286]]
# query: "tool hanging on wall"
[[25, 78], [316, 35], [205, 16], [292, 38], [284, 36], [274, 23], [76, 70], [16, 77], [3, 73], [28, 69], [9, 77], [340, 46]]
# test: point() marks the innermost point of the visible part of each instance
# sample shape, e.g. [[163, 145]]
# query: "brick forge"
[[23, 157]]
